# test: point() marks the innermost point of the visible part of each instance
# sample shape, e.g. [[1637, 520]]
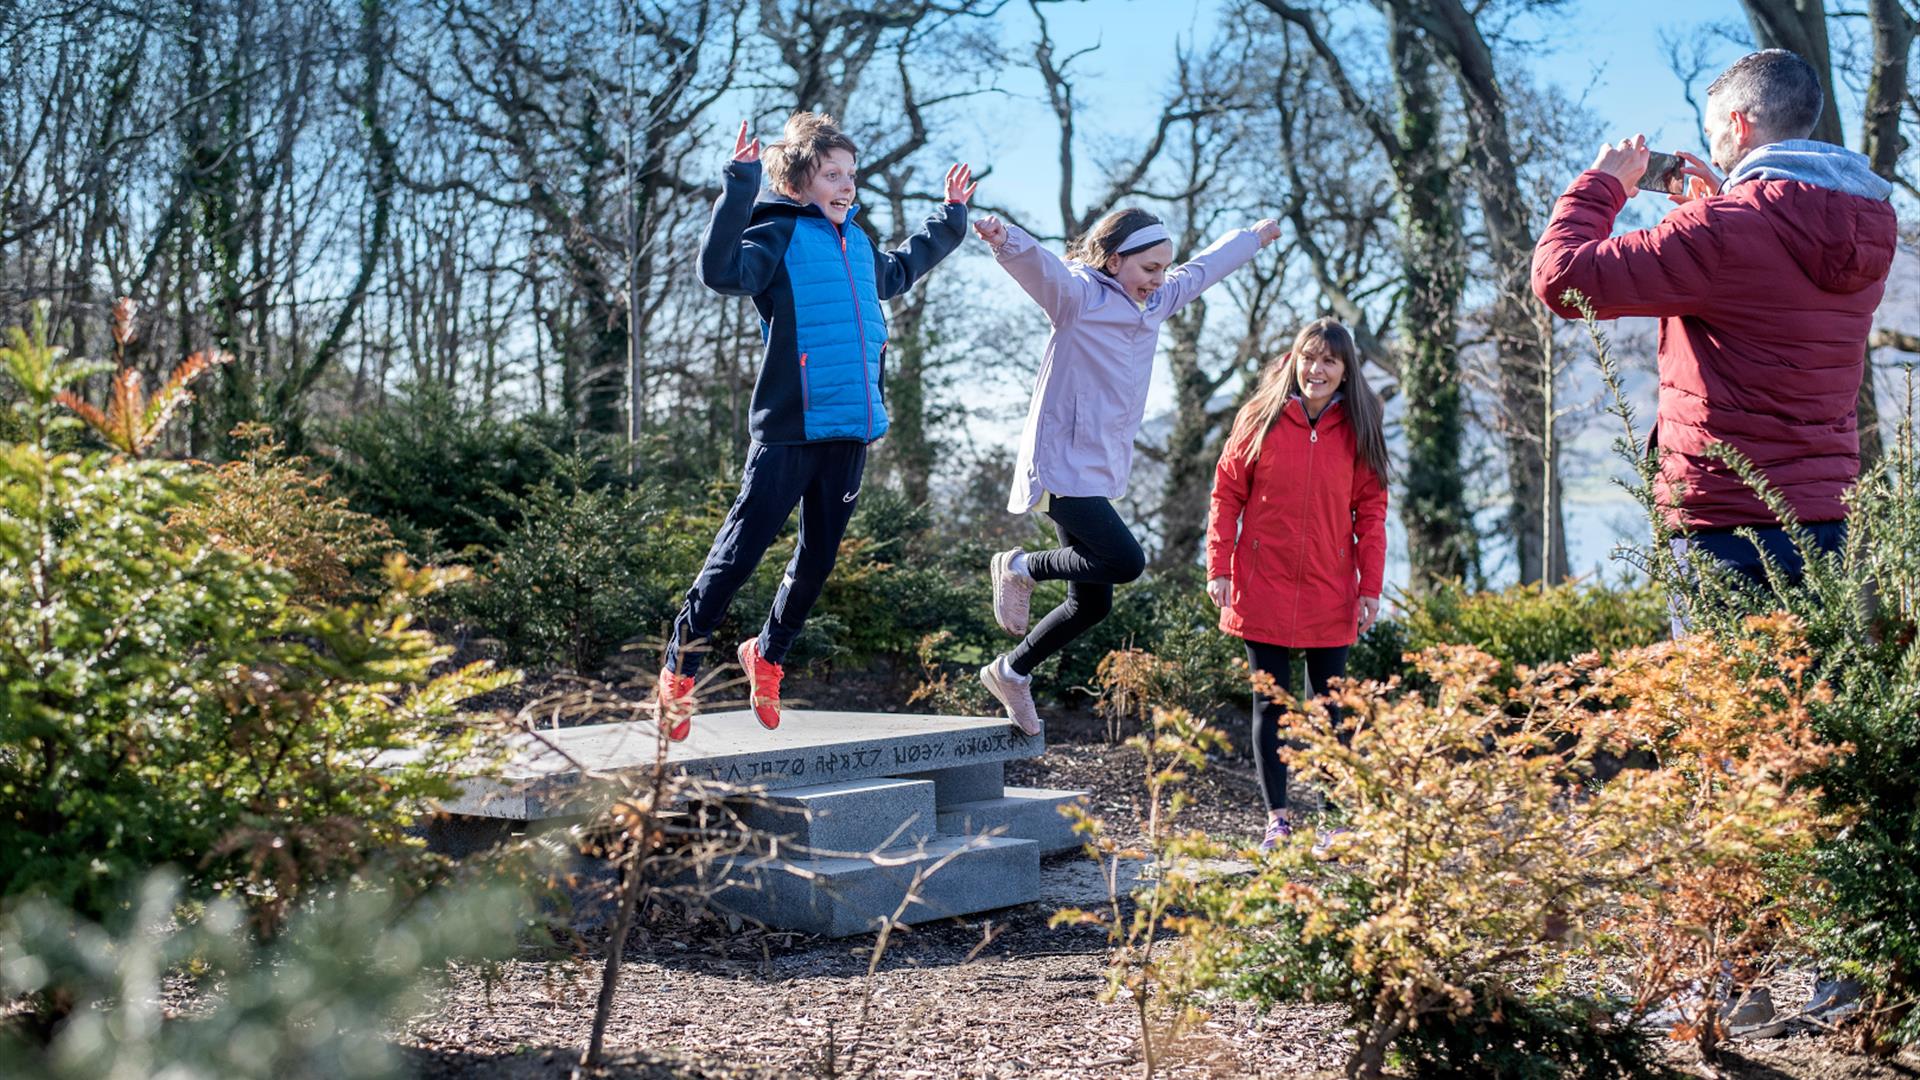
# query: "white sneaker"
[[1012, 594], [1015, 694]]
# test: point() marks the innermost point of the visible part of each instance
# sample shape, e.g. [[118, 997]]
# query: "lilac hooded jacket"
[[1091, 393]]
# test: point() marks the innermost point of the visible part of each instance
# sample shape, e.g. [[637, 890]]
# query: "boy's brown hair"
[[792, 161]]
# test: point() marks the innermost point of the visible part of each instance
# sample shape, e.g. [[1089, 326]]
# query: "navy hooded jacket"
[[818, 289]]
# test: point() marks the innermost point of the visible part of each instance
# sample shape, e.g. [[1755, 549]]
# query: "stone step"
[[839, 897], [1022, 813], [846, 818], [965, 784]]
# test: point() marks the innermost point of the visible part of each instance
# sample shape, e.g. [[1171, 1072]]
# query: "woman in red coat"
[[1297, 539]]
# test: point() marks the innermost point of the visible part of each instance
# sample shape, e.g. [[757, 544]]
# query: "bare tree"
[[1533, 518], [559, 127], [1130, 176], [1441, 539], [1217, 167]]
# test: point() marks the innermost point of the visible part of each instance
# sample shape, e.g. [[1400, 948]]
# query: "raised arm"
[[734, 259], [895, 271], [1187, 281], [1040, 272], [1666, 270]]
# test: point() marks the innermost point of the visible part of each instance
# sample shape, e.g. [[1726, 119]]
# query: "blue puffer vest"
[[841, 358]]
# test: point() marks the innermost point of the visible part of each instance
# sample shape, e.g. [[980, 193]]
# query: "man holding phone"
[[1765, 285]]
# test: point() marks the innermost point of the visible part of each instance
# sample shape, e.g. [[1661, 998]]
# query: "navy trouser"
[[1734, 553], [824, 479], [1097, 551]]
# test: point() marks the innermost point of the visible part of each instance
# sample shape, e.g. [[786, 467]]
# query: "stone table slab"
[[552, 775]]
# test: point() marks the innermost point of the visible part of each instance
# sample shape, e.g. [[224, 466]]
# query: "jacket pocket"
[[806, 391], [1086, 424], [1241, 572]]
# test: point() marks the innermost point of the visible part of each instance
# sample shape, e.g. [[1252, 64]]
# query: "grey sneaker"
[[1012, 594], [1014, 692], [1833, 1002], [1752, 1016]]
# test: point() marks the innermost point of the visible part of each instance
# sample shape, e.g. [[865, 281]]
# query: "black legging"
[[1277, 661], [1097, 551]]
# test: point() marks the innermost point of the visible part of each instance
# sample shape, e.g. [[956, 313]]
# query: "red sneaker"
[[673, 704], [763, 683]]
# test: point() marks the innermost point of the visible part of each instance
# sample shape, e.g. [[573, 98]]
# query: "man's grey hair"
[[1777, 90]]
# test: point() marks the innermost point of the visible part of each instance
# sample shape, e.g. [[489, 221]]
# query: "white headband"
[[1144, 236]]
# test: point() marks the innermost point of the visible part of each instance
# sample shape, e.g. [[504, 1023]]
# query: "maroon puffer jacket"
[[1765, 295]]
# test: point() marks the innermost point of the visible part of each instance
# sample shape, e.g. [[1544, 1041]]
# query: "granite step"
[[1023, 813], [840, 897], [850, 817], [571, 771]]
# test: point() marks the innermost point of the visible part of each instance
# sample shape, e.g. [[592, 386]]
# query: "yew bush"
[[165, 698]]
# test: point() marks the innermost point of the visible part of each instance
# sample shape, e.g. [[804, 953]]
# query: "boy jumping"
[[817, 282]]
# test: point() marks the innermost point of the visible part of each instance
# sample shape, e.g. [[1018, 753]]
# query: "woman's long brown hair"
[[1281, 381]]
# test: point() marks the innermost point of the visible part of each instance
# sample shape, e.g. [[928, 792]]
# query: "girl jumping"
[[1297, 538], [1105, 303]]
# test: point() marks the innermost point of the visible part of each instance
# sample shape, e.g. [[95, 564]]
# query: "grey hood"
[[1825, 165]]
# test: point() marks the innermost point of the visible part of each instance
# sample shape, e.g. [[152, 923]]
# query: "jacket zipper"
[[806, 391], [1306, 498], [859, 324]]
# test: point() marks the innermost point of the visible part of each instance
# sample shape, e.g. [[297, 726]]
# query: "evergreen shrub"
[[165, 700], [320, 1001], [443, 472], [582, 569]]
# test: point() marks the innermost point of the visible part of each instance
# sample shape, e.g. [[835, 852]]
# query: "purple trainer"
[[1279, 831]]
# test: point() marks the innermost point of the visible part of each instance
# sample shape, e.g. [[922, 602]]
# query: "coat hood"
[[1825, 165], [1831, 214]]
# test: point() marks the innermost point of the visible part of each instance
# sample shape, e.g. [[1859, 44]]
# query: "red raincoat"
[[1302, 533], [1765, 296]]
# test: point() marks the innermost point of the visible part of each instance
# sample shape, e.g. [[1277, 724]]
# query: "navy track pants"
[[823, 478]]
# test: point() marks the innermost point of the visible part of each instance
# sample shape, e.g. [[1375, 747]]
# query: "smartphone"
[[1663, 174]]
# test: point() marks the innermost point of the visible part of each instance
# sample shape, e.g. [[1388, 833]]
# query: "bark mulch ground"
[[996, 996]]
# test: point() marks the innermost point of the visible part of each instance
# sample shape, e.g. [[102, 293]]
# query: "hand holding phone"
[[1695, 179], [1663, 174]]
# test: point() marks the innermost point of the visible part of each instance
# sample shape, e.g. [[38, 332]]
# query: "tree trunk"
[[1441, 543], [1800, 26], [1882, 142], [1531, 516], [1189, 456], [910, 448]]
